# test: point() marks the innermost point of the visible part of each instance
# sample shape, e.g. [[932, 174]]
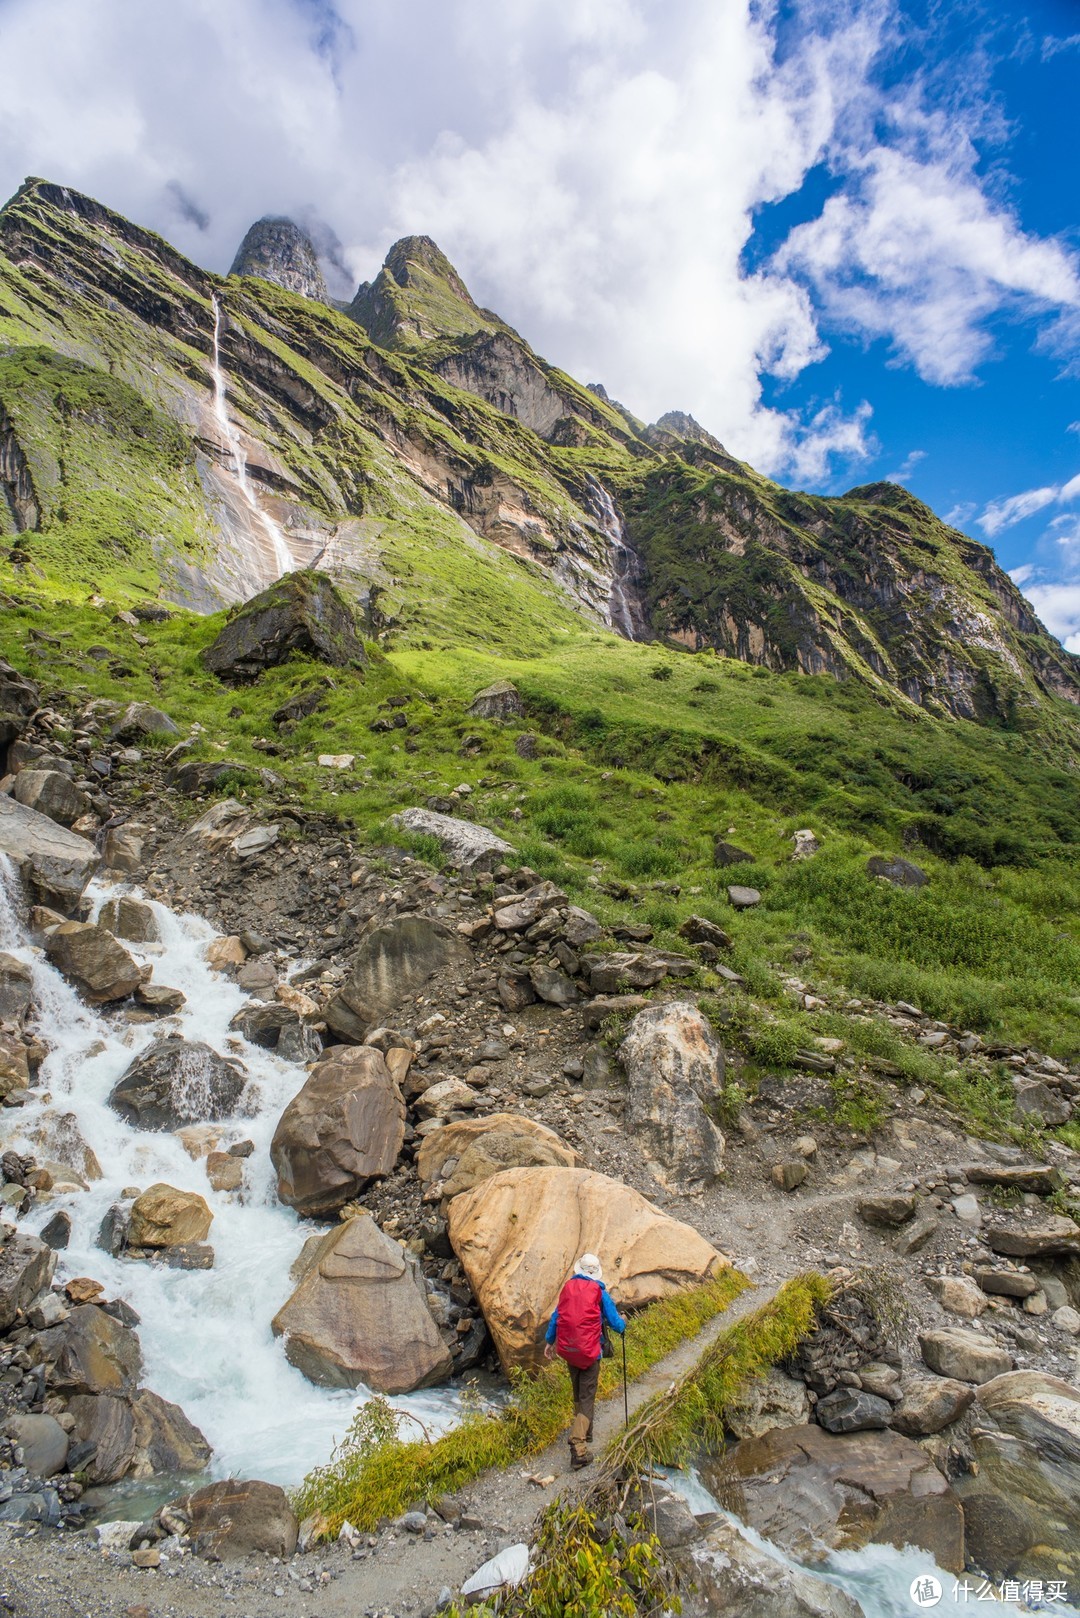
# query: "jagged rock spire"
[[277, 250]]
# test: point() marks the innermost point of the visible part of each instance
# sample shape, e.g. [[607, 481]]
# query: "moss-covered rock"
[[302, 612]]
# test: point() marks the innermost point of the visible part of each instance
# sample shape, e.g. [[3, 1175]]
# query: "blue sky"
[[844, 234]]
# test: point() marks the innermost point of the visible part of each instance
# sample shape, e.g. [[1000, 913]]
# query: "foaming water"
[[205, 1334], [279, 545]]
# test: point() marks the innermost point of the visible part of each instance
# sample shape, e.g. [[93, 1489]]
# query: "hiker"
[[575, 1333]]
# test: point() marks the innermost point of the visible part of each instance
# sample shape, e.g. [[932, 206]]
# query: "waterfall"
[[624, 607], [282, 556], [205, 1334]]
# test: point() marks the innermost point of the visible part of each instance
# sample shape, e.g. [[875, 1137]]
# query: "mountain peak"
[[418, 297], [277, 250]]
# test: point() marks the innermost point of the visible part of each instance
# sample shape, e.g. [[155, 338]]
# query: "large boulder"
[[165, 1217], [16, 987], [177, 1082], [90, 1352], [55, 864], [139, 720], [466, 847], [345, 1128], [809, 1492], [26, 1268], [51, 793], [458, 1156], [103, 1434], [900, 872], [499, 701], [238, 1518], [129, 918], [1022, 1504], [1046, 1236], [734, 1577], [359, 1314], [966, 1356], [43, 1441], [19, 701], [165, 1440], [90, 956], [302, 612], [393, 963], [674, 1072], [519, 1234]]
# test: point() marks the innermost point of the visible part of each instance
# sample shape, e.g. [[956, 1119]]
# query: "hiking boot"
[[578, 1461]]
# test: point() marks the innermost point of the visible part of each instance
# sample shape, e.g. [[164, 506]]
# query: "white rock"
[[506, 1569], [1066, 1319]]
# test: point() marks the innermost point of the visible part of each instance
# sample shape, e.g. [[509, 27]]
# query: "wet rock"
[[849, 1410], [56, 1233], [27, 1265], [224, 1172], [130, 919], [43, 1441], [157, 997], [359, 1315], [967, 1356], [900, 872], [888, 1210], [165, 1217], [392, 963], [344, 1128], [263, 1024], [302, 612], [519, 1234], [55, 864], [499, 701], [810, 1491], [92, 1353], [92, 959], [1043, 1236], [737, 1579], [16, 988], [175, 1082], [929, 1404], [235, 1518], [50, 793]]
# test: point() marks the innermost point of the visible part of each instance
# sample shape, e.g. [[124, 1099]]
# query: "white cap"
[[589, 1265]]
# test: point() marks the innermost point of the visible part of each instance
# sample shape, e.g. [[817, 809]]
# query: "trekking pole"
[[625, 1394]]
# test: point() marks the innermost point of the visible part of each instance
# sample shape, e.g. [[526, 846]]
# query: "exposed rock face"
[[166, 1217], [19, 701], [1049, 1235], [165, 1440], [359, 1314], [345, 1128], [774, 1400], [55, 864], [16, 987], [674, 1070], [90, 1352], [393, 962], [177, 1082], [467, 847], [457, 1157], [302, 612], [277, 250], [520, 1233], [236, 1518], [810, 1491], [26, 1268]]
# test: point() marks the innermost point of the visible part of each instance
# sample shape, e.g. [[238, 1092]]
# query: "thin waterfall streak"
[[282, 555], [624, 613]]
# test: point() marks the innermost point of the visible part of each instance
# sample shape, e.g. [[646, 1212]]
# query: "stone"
[[736, 1578], [806, 845], [726, 854], [789, 1174], [774, 1400], [884, 1380], [157, 997], [43, 1441], [165, 1217], [92, 959], [50, 793], [917, 1233], [929, 1404], [851, 1410], [1066, 1319], [674, 1072], [1034, 1099], [124, 848], [394, 962], [1006, 1283], [519, 1234], [515, 991], [360, 1315], [446, 1096], [345, 1128], [499, 701], [553, 986], [177, 1081], [238, 1518], [889, 1210], [165, 1440], [264, 1024], [129, 918], [1045, 1235], [959, 1295], [899, 872], [141, 719], [104, 1431], [27, 1266], [809, 1491], [610, 974], [966, 1356], [580, 927], [1022, 1504], [224, 1172], [302, 612], [56, 1233], [743, 898], [16, 988], [967, 1210], [14, 1069], [92, 1353], [447, 1149], [1039, 1178], [55, 864], [221, 953], [697, 930], [19, 701]]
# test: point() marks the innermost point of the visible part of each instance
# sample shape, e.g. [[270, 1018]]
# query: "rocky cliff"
[[156, 422]]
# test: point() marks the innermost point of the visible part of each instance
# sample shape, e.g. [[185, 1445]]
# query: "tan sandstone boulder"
[[457, 1157], [359, 1314], [519, 1234], [344, 1128], [165, 1217]]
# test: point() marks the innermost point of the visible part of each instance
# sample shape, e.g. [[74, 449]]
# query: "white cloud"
[[593, 169], [1001, 514], [1052, 581], [907, 466]]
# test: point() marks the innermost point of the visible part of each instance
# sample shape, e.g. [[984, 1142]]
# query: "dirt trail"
[[403, 1576]]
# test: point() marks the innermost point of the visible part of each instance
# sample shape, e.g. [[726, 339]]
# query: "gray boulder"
[[467, 847], [92, 959], [393, 963], [345, 1128], [849, 1410], [302, 612], [929, 1404], [16, 987], [726, 854], [968, 1356], [51, 794], [26, 1268], [901, 873], [55, 864], [674, 1071], [43, 1441], [141, 719], [177, 1082], [499, 701], [737, 1579], [130, 919]]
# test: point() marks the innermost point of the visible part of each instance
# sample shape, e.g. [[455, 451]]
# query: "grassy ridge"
[[375, 1473]]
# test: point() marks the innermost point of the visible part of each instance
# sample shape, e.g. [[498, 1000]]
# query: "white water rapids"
[[279, 548], [205, 1334]]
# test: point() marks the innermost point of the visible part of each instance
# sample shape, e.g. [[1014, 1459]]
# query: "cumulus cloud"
[[1052, 581], [595, 171], [1002, 514]]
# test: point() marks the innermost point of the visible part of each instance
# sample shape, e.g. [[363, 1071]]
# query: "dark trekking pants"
[[584, 1384]]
